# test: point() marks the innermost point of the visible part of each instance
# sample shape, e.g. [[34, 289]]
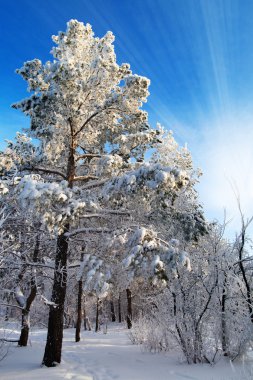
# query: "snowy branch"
[[85, 178], [88, 231], [94, 184], [88, 155], [48, 171]]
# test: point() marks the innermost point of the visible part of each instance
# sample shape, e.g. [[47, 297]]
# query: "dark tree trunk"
[[129, 308], [119, 309], [113, 316], [52, 355], [6, 317], [79, 304], [23, 339], [79, 310], [97, 315], [53, 349], [84, 315]]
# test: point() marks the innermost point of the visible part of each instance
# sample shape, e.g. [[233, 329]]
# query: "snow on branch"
[[47, 302], [149, 176], [88, 155], [85, 178], [97, 275], [45, 170], [104, 213], [151, 256], [55, 202]]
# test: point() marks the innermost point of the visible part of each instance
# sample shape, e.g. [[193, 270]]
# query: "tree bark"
[[119, 309], [129, 308], [97, 314], [23, 339], [79, 303], [113, 316], [52, 355], [79, 310]]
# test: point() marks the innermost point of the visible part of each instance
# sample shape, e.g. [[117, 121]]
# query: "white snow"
[[109, 356]]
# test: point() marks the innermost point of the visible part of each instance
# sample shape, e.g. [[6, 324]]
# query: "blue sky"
[[198, 55]]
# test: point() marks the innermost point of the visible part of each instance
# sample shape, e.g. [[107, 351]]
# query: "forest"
[[101, 223]]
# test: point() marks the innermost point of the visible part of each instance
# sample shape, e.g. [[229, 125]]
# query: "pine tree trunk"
[[119, 309], [53, 349], [113, 316], [97, 314], [129, 308], [52, 355], [79, 310]]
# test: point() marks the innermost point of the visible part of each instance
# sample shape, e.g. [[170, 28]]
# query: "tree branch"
[[88, 231], [85, 178], [88, 155], [87, 121], [101, 213], [48, 171], [92, 116], [95, 184]]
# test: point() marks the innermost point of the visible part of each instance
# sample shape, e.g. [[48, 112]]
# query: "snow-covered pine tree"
[[86, 116]]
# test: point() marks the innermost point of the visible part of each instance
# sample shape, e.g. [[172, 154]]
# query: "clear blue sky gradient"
[[198, 55]]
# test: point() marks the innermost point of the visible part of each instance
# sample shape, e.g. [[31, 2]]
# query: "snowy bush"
[[151, 335], [203, 311]]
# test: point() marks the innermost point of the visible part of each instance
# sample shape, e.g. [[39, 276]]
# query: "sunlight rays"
[[217, 124], [225, 152]]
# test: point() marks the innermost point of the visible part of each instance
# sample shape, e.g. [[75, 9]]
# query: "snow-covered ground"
[[109, 356]]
